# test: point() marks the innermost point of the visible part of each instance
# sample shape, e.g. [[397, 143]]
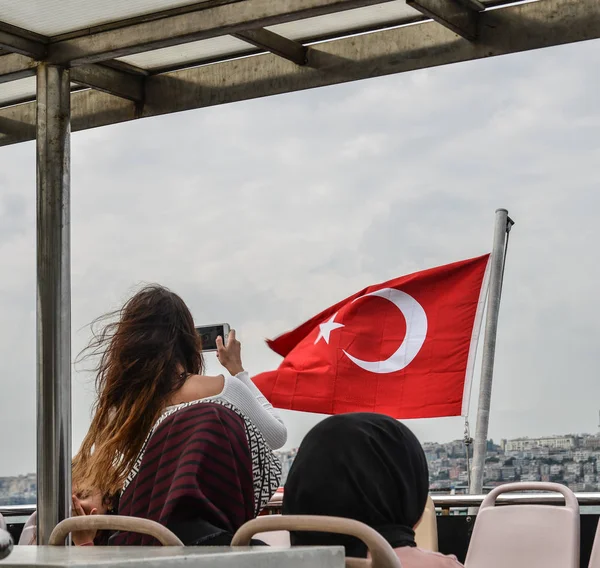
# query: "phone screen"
[[209, 333]]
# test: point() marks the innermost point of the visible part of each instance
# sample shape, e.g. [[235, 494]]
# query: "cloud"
[[262, 213]]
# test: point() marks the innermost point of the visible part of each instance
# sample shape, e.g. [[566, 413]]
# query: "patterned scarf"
[[204, 470]]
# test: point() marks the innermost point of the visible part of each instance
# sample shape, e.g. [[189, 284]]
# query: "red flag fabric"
[[405, 347]]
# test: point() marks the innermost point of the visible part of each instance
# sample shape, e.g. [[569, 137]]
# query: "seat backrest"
[[382, 555], [278, 539], [113, 523], [29, 532], [526, 536], [595, 557], [426, 535]]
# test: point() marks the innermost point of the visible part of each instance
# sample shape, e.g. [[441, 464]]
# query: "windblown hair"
[[144, 357]]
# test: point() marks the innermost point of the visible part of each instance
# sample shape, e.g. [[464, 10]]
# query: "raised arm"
[[244, 394]]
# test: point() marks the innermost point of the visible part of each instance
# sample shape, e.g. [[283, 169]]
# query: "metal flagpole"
[[501, 230]]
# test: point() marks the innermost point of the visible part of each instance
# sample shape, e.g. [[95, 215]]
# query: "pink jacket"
[[411, 557]]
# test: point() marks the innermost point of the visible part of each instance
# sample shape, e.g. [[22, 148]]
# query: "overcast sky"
[[262, 213]]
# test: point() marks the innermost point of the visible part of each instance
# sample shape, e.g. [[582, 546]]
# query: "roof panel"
[[194, 52], [57, 17], [390, 13], [17, 91], [512, 28], [22, 90]]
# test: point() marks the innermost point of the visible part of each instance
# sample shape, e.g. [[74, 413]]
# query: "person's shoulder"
[[197, 387]]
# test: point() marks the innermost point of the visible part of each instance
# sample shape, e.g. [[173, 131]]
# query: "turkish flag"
[[405, 348]]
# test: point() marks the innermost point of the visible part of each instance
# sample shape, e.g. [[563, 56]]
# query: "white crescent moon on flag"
[[416, 332]]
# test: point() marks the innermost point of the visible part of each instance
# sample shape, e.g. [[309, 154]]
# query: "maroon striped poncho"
[[194, 476]]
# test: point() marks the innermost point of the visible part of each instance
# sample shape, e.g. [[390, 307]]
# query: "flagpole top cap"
[[502, 210]]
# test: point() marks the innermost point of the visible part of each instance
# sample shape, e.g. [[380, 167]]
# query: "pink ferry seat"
[[524, 535], [277, 539], [29, 533], [113, 523], [426, 535], [381, 553]]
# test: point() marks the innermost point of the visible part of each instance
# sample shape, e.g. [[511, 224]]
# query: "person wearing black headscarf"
[[367, 467]]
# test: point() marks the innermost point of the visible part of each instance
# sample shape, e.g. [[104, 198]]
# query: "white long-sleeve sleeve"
[[245, 395]]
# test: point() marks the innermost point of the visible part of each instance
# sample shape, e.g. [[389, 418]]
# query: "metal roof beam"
[[203, 23], [15, 66], [513, 29], [456, 16], [125, 85], [24, 43], [10, 127], [474, 4], [275, 43]]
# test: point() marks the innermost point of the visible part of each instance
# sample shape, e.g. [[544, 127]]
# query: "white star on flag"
[[326, 328]]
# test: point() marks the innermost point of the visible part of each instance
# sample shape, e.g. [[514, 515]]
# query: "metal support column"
[[53, 299], [502, 227]]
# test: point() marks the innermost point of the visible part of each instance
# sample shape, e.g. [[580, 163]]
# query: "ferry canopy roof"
[[137, 58]]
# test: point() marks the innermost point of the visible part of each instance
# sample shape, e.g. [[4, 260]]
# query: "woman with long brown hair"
[[152, 395]]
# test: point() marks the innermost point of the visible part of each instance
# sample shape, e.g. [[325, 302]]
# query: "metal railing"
[[443, 502], [16, 510], [449, 502]]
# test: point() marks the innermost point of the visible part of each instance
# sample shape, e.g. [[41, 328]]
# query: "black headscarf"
[[363, 466]]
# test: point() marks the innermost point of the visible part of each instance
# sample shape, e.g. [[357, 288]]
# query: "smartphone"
[[209, 333]]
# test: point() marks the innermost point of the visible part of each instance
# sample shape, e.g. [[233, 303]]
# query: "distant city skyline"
[[573, 459], [423, 443]]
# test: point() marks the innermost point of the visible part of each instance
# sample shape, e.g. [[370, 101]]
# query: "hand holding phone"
[[209, 333], [230, 353]]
